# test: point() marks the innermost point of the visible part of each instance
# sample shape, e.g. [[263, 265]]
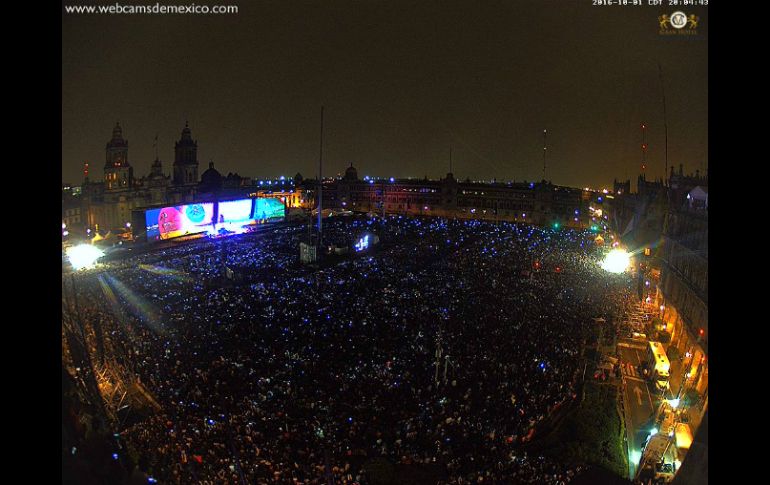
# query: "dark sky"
[[400, 82]]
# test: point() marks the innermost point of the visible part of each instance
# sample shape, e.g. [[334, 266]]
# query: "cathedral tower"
[[186, 159], [118, 174]]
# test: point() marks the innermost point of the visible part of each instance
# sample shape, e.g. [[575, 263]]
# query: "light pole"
[[689, 356]]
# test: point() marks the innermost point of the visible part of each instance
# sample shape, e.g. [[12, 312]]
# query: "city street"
[[639, 400]]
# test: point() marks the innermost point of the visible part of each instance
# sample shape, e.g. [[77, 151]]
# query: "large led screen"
[[267, 209], [210, 217], [170, 222], [235, 211]]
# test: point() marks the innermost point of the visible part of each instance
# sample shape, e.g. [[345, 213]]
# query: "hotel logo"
[[678, 23]]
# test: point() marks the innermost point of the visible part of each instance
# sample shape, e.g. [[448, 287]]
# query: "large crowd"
[[447, 343]]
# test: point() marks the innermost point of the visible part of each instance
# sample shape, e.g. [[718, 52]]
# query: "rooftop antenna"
[[545, 132], [450, 158], [155, 145], [665, 124], [320, 176]]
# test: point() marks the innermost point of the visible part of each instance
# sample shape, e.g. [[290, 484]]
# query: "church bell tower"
[[186, 159], [118, 174]]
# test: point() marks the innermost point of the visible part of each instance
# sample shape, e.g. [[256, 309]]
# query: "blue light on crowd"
[[362, 243]]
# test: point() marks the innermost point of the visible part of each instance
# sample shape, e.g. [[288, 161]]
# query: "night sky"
[[401, 82]]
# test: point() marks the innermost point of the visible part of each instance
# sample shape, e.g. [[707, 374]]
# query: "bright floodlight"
[[84, 256], [616, 261]]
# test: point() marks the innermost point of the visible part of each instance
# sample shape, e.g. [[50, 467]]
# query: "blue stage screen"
[[269, 209], [176, 221]]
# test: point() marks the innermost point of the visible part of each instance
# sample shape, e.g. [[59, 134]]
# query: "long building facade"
[[539, 203], [667, 221]]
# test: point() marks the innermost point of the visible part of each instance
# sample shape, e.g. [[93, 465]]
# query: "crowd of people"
[[447, 343]]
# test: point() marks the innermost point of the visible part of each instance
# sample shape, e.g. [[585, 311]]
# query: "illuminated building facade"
[[70, 207], [683, 296], [669, 221], [106, 205], [536, 203]]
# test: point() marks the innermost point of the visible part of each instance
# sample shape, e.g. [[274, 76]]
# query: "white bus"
[[658, 365]]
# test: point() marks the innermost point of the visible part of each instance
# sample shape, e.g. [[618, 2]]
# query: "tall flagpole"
[[320, 176], [665, 124], [544, 149], [644, 150]]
